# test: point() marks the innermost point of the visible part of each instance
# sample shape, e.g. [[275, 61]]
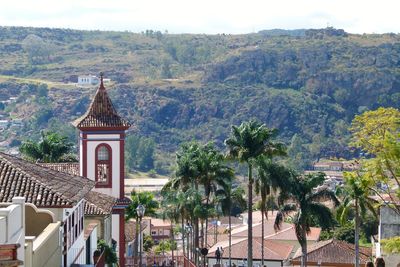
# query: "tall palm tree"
[[246, 143], [151, 205], [356, 197], [270, 177], [229, 197], [305, 195], [202, 168], [51, 147], [213, 174], [171, 209]]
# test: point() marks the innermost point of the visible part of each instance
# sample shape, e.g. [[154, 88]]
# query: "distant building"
[[160, 229], [275, 254], [88, 80], [332, 253]]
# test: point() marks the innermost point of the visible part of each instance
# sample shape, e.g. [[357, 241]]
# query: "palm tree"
[[187, 175], [229, 197], [246, 143], [201, 165], [51, 148], [213, 174], [271, 176], [148, 201], [171, 209], [306, 204], [356, 196]]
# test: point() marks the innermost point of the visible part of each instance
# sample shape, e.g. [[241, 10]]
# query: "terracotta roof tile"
[[257, 229], [101, 113], [39, 185], [290, 234], [272, 250], [333, 251], [98, 203], [71, 168]]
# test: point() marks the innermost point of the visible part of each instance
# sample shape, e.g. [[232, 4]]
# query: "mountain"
[[178, 87]]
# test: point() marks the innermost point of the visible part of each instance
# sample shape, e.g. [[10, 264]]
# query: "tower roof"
[[101, 113]]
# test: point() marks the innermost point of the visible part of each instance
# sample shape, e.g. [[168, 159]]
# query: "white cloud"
[[206, 16]]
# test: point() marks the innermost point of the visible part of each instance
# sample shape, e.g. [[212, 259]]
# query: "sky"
[[204, 16]]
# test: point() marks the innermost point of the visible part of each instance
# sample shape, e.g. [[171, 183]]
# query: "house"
[[332, 253], [275, 254], [54, 204], [88, 80], [160, 229]]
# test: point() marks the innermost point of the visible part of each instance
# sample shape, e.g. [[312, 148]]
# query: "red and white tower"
[[101, 146]]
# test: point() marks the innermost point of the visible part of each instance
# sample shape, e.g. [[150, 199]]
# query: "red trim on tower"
[[122, 238], [103, 128], [122, 166], [84, 155], [108, 162]]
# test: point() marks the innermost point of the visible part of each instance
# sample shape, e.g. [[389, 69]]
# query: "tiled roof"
[[39, 185], [98, 203], [257, 229], [334, 252], [101, 113], [290, 234], [272, 250], [71, 168]]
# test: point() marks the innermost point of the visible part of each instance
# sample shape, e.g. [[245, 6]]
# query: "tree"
[[271, 176], [148, 243], [150, 204], [357, 198], [377, 134], [391, 245], [110, 255], [246, 143], [304, 200], [227, 198], [140, 153], [213, 173], [38, 50], [51, 147]]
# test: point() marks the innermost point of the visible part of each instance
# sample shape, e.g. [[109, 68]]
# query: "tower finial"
[[101, 80]]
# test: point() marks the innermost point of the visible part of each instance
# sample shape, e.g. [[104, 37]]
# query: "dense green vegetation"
[[307, 83]]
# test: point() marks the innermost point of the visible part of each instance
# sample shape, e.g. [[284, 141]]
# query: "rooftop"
[[333, 252], [272, 250], [39, 185]]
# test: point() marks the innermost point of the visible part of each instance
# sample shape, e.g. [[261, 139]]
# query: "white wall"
[[115, 229], [12, 225], [113, 140]]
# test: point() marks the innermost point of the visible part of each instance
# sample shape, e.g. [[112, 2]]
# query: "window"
[[103, 165]]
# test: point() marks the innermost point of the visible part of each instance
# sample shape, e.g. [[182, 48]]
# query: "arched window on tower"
[[103, 166]]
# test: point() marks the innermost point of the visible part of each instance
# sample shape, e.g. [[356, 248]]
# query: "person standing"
[[218, 255]]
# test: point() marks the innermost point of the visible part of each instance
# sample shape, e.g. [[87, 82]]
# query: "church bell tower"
[[101, 148]]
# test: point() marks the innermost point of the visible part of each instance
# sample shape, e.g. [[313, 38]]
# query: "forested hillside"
[[307, 83]]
